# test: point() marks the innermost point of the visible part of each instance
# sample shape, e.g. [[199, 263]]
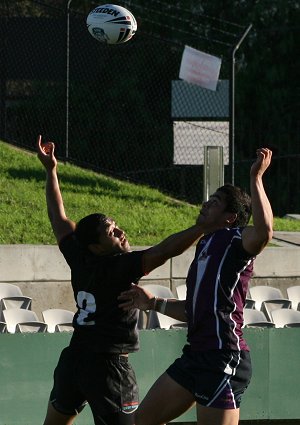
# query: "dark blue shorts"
[[106, 382], [216, 378]]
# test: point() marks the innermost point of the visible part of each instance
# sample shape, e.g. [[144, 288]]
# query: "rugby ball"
[[111, 24]]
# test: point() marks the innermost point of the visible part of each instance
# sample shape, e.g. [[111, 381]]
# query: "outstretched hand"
[[136, 297], [46, 153], [262, 162]]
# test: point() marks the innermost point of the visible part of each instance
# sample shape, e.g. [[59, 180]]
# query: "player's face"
[[213, 215], [114, 239]]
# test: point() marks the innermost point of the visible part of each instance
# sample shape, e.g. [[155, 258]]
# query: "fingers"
[[127, 300], [263, 161], [39, 141], [128, 305], [124, 297], [265, 152], [264, 156], [49, 148], [127, 294], [39, 144], [45, 147]]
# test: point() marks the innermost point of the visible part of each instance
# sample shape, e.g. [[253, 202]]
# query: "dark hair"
[[89, 228], [238, 202]]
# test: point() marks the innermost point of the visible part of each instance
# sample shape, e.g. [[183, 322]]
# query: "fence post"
[[232, 103], [3, 78], [67, 80], [213, 170]]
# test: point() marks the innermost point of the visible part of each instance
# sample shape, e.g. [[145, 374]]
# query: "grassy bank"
[[145, 214]]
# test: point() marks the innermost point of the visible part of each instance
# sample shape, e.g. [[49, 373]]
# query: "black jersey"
[[100, 324]]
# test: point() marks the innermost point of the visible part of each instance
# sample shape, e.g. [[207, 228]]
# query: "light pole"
[[232, 101], [67, 79]]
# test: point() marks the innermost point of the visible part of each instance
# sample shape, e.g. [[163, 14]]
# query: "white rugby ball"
[[111, 24]]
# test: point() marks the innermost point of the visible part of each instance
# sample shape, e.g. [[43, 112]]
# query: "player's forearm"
[[177, 243], [170, 247], [170, 307], [54, 199], [261, 210]]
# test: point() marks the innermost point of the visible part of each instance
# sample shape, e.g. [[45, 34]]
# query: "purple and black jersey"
[[100, 325], [217, 285]]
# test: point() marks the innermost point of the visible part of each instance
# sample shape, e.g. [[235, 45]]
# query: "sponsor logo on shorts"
[[201, 396]]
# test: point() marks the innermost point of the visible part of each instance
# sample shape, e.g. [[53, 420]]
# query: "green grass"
[[145, 214]]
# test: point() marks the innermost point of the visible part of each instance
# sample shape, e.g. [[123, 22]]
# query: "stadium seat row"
[[259, 294], [266, 307], [278, 318], [270, 301], [16, 314], [19, 320]]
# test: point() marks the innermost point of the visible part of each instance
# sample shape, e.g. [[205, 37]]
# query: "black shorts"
[[216, 378], [106, 382]]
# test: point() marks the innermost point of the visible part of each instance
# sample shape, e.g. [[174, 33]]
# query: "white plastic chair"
[[161, 321], [58, 320], [293, 293], [181, 291], [268, 298], [10, 290], [256, 318], [3, 328], [11, 297], [20, 320], [249, 303], [283, 317]]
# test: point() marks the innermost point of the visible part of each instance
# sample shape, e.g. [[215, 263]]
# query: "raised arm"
[[256, 237], [172, 246], [61, 225]]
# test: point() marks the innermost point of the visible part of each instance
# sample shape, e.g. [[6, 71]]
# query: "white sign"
[[190, 138], [200, 68]]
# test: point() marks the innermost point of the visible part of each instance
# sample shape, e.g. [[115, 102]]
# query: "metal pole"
[[3, 101], [67, 79], [232, 101], [3, 78]]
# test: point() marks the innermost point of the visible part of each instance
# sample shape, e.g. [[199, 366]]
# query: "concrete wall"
[[42, 273]]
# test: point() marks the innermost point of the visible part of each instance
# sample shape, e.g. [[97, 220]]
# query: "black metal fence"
[[111, 108]]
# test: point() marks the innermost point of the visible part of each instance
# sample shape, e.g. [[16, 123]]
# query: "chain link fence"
[[120, 110]]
